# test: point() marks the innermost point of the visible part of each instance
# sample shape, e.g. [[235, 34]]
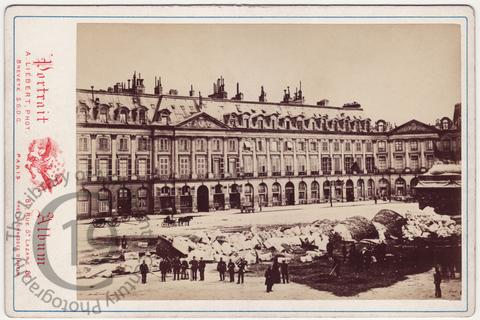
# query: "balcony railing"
[[218, 176], [289, 173], [314, 173], [248, 174], [262, 174], [302, 173], [338, 172], [276, 173]]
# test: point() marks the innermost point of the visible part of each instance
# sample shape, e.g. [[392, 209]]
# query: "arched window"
[[315, 194], [302, 192], [83, 202], [276, 194], [262, 194], [248, 192], [142, 196], [104, 201]]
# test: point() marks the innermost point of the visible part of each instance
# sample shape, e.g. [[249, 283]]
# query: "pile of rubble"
[[426, 223]]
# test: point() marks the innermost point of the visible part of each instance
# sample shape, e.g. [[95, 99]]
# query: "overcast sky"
[[396, 72]]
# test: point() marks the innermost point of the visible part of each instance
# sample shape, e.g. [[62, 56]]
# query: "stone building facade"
[[165, 152]]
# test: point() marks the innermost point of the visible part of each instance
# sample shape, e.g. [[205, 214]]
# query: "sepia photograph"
[[248, 161]]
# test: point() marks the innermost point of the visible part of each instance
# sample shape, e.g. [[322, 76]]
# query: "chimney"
[[158, 89], [192, 92], [200, 99], [93, 97], [239, 95], [128, 84], [263, 96]]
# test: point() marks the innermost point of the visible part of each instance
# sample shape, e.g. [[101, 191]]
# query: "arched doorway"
[[413, 184], [302, 192], [263, 194], [124, 202], [218, 198], [202, 199], [400, 187], [276, 194], [349, 191], [339, 190], [186, 202], [289, 194], [370, 188], [248, 193], [234, 196], [104, 202], [384, 188], [326, 190], [361, 189], [315, 192], [166, 200], [142, 200]]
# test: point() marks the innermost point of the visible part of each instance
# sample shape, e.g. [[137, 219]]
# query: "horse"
[[185, 220]]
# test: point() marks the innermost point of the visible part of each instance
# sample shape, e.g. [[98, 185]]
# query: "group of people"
[[276, 273], [179, 269], [223, 267]]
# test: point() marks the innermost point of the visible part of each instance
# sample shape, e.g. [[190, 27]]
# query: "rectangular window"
[[359, 162], [313, 146], [260, 145], [103, 144], [382, 146], [325, 146], [414, 164], [289, 164], [302, 164], [83, 167], [348, 163], [164, 166], [358, 146], [336, 146], [370, 164], [347, 147], [103, 168], [274, 145], [262, 164], [336, 165], [398, 146], [368, 146], [123, 168], [183, 145], [414, 145], [301, 145], [163, 144], [201, 166], [217, 145], [430, 161], [382, 163], [184, 166], [288, 146], [201, 145], [429, 144], [398, 162], [276, 164], [314, 163], [123, 144], [247, 164], [326, 165], [83, 144], [143, 144], [142, 167], [232, 145]]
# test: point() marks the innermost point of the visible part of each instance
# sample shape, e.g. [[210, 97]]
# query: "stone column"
[[295, 164], [364, 147], [226, 192], [407, 155], [282, 162], [194, 160], [211, 191], [240, 154], [254, 155], [133, 150], [194, 199], [422, 162], [307, 158], [175, 159], [320, 146], [342, 157], [209, 159], [226, 174], [114, 157], [269, 160], [93, 145]]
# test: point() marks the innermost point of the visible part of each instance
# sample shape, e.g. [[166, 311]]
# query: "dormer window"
[[381, 127], [445, 124], [142, 117], [300, 125], [287, 124], [274, 124], [103, 115], [260, 124], [123, 116]]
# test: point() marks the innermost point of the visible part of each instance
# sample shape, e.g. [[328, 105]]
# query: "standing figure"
[[275, 271], [241, 270], [194, 268], [221, 268], [163, 269], [144, 270], [268, 279], [330, 248], [231, 270], [184, 269], [284, 269], [176, 268], [201, 268], [124, 242], [437, 279]]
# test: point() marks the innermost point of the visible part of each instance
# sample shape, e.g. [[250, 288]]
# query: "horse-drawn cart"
[[103, 219]]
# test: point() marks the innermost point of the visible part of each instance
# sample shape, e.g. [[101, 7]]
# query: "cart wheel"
[[140, 217], [114, 222], [99, 223], [125, 218]]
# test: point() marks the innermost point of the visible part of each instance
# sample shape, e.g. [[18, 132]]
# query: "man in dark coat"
[[275, 272], [163, 269], [284, 270], [184, 269], [201, 268], [231, 270], [176, 268], [437, 279], [144, 270], [124, 242], [221, 268], [194, 268], [268, 279], [242, 264]]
